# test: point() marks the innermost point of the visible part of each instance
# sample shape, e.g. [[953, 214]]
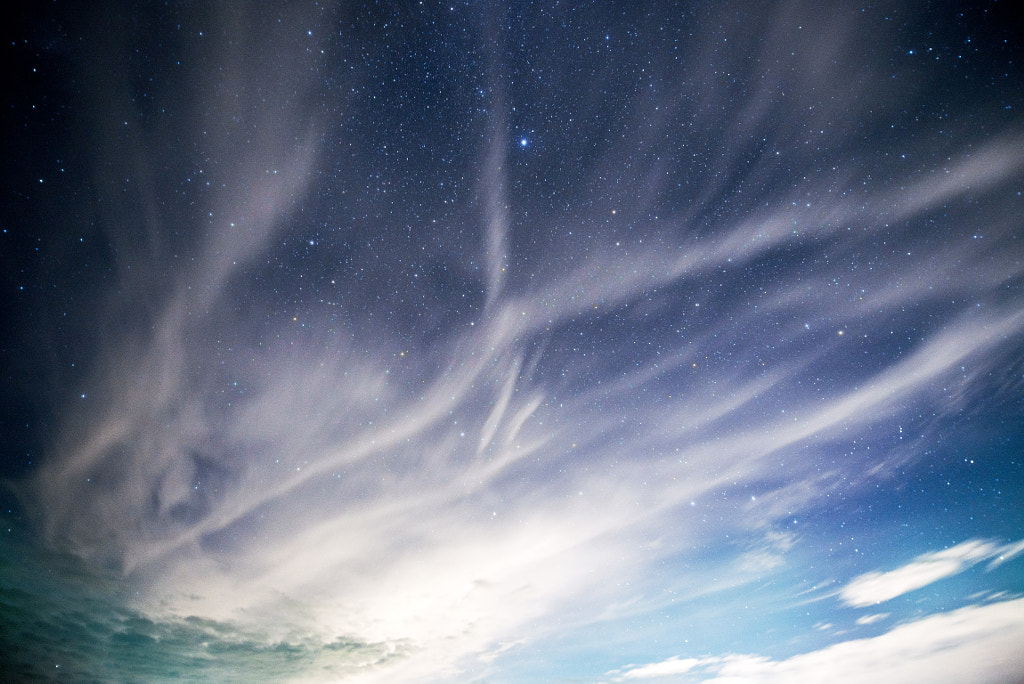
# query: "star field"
[[532, 342]]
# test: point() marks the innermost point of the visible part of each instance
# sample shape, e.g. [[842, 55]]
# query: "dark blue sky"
[[529, 342]]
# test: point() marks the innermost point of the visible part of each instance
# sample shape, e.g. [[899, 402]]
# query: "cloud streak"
[[439, 492], [877, 587], [975, 643]]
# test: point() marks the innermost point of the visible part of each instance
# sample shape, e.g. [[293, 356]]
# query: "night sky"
[[528, 342]]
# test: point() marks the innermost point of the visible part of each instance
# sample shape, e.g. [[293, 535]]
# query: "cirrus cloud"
[[877, 587]]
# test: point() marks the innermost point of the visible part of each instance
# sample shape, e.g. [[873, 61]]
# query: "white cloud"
[[442, 502], [768, 556], [871, 619], [1005, 553], [876, 587], [978, 644], [672, 666]]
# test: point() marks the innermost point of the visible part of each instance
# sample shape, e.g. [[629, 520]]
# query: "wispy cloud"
[[877, 587], [451, 491], [871, 619], [972, 644]]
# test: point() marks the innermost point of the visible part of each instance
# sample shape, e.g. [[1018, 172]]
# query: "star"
[[736, 268]]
